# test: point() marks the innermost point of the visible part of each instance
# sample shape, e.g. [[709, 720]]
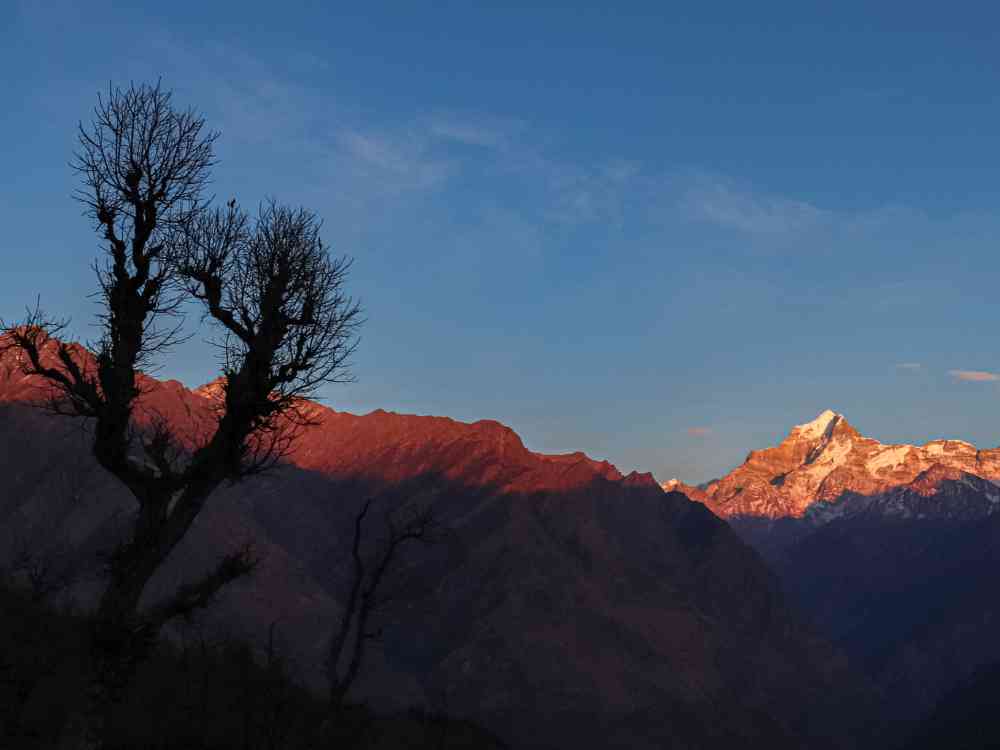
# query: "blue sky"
[[659, 237]]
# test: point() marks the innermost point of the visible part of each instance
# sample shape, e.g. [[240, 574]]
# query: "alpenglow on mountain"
[[892, 551], [565, 601], [825, 468]]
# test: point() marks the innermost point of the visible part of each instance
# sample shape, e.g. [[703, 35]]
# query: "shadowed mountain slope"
[[893, 551], [568, 606], [966, 718]]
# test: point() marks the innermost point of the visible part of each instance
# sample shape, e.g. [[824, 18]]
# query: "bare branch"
[[192, 597], [68, 384], [287, 325], [205, 260], [144, 166], [411, 523]]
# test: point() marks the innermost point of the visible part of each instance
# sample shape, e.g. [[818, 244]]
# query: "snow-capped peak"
[[817, 427], [827, 460]]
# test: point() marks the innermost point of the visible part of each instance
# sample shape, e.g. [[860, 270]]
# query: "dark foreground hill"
[[568, 606], [967, 718], [196, 692]]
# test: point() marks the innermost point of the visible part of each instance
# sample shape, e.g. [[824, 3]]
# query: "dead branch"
[[410, 524]]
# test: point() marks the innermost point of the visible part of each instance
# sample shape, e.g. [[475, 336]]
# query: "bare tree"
[[287, 328], [367, 592]]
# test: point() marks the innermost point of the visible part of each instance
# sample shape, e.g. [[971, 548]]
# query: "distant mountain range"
[[826, 469], [569, 605], [893, 551]]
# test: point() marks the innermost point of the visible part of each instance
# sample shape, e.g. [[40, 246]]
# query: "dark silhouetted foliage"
[[194, 692]]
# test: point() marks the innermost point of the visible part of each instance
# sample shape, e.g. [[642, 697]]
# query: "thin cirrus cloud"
[[363, 159], [364, 163], [720, 202], [909, 366], [487, 132], [402, 159], [699, 431], [974, 376]]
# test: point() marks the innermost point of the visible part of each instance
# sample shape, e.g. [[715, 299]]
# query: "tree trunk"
[[119, 641]]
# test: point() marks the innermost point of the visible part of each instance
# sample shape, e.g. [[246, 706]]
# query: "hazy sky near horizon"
[[658, 236]]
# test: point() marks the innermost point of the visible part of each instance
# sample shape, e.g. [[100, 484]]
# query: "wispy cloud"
[[401, 160], [578, 194], [909, 366], [974, 376], [364, 163], [725, 204], [368, 167], [269, 109], [699, 431], [488, 132]]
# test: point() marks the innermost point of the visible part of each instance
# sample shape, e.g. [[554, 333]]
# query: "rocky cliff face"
[[568, 603], [825, 468]]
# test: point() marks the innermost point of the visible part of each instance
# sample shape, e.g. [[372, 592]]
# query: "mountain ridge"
[[824, 461], [194, 407], [569, 601], [891, 550]]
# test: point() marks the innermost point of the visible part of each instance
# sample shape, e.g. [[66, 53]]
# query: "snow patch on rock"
[[888, 458]]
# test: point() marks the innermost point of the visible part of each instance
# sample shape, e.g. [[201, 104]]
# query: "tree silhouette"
[[286, 327], [366, 593]]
